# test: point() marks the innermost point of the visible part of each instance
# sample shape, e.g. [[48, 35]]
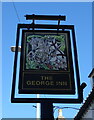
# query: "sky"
[[47, 0], [78, 14], [92, 37], [1, 60]]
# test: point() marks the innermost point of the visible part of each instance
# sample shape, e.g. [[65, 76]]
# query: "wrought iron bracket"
[[56, 28]]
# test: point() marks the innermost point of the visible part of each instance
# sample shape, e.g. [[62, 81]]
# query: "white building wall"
[[89, 113], [93, 110]]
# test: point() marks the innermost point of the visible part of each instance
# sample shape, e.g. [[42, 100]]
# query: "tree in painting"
[[46, 52]]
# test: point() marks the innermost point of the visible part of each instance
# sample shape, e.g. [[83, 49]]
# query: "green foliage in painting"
[[46, 52]]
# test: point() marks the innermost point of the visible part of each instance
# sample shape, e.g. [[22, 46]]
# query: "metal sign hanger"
[[57, 28]]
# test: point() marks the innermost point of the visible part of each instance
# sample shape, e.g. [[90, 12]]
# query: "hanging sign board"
[[46, 65]]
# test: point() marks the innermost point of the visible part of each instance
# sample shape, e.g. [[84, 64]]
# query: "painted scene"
[[46, 52]]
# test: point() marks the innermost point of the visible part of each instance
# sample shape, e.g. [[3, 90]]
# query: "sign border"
[[70, 72], [80, 88]]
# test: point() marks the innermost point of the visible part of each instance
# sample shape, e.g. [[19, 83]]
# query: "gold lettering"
[[47, 83], [33, 82], [52, 83], [40, 83], [42, 77], [46, 78], [61, 83], [37, 82], [28, 82]]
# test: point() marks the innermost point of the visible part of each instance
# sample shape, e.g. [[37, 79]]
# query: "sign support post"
[[47, 111]]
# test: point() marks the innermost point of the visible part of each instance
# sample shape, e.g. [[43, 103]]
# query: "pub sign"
[[47, 62], [46, 65]]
